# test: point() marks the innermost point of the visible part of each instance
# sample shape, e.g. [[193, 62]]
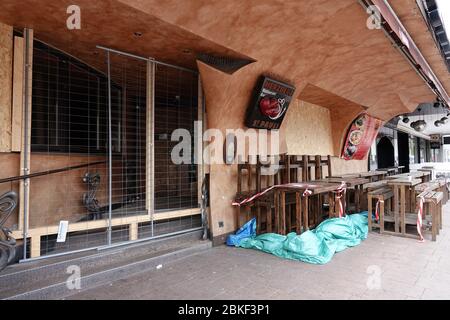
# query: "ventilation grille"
[[225, 64]]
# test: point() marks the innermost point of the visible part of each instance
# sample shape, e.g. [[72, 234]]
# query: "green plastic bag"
[[313, 246]]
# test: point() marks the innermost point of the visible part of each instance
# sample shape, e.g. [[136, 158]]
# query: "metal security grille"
[[90, 128], [69, 127], [176, 107]]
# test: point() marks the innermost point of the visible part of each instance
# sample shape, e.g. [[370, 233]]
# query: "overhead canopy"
[[324, 44]]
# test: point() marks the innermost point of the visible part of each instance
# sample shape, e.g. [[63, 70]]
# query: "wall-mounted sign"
[[360, 136], [270, 104], [435, 141]]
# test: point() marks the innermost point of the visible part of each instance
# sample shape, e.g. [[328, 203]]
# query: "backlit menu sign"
[[269, 105]]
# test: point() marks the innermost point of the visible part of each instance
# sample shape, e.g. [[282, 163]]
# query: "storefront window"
[[413, 150], [422, 151]]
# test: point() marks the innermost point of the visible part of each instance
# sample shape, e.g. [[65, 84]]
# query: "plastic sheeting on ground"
[[313, 246]]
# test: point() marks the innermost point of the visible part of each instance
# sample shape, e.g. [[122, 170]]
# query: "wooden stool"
[[381, 195], [434, 216]]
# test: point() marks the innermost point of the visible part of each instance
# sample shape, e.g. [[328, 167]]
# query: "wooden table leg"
[[305, 214], [396, 208], [269, 218], [277, 212], [403, 208], [357, 199], [369, 212], [298, 212], [283, 212], [381, 221], [331, 211]]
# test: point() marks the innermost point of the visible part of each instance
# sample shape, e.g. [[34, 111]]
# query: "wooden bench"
[[434, 216], [443, 188], [381, 195]]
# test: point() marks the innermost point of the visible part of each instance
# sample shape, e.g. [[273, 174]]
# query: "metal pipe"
[[109, 152], [45, 173], [146, 59], [26, 146], [152, 71]]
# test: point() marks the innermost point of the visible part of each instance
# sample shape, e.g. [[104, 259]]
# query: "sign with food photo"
[[360, 136], [270, 104]]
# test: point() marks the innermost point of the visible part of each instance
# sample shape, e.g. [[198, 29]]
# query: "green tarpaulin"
[[314, 246]]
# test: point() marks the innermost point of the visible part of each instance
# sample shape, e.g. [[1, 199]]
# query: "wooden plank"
[[298, 212], [133, 231], [403, 208], [405, 181], [283, 212], [35, 246], [17, 99], [99, 224], [374, 185], [6, 57]]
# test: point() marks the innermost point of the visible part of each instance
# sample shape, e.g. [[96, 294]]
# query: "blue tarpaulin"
[[313, 246]]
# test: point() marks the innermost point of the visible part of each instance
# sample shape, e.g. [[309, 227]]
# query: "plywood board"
[[6, 52], [17, 99]]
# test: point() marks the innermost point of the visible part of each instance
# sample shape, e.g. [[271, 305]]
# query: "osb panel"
[[17, 98], [342, 112], [341, 166], [58, 196], [307, 129], [9, 167], [6, 52]]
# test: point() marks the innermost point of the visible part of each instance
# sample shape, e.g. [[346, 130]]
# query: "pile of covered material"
[[313, 246]]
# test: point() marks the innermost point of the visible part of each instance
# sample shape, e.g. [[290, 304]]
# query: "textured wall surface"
[[6, 52]]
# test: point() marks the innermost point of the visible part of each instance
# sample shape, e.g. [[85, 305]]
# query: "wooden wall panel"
[[307, 129], [17, 98], [6, 53]]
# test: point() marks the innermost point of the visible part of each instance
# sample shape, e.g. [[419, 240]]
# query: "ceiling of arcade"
[[313, 44]]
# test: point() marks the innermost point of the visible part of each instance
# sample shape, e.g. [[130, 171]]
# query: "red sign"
[[270, 104], [360, 136]]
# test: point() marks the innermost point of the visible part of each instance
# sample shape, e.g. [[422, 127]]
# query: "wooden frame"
[[36, 233], [150, 154]]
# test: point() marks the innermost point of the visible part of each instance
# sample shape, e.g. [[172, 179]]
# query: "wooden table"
[[372, 175], [399, 188], [390, 171], [432, 185], [375, 185], [423, 175], [345, 176], [301, 203], [353, 183]]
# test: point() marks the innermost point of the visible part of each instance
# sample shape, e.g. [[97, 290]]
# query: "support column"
[[26, 136], [150, 157]]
